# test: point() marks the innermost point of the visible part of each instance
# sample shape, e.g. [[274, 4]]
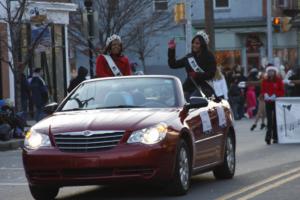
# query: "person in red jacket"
[[272, 87], [112, 62]]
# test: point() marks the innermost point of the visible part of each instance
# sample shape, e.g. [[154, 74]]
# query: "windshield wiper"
[[120, 106], [72, 109]]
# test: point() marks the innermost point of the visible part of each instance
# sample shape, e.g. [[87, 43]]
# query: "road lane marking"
[[13, 184], [7, 168], [250, 187], [269, 187]]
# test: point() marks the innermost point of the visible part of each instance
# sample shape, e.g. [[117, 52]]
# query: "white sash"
[[195, 65], [112, 65], [197, 68]]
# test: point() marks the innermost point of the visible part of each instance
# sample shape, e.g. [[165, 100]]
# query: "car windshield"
[[144, 92]]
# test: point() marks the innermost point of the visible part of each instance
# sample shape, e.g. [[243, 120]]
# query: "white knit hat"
[[204, 35], [111, 38], [271, 67]]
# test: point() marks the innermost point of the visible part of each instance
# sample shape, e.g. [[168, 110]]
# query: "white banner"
[[221, 116], [206, 124], [288, 119]]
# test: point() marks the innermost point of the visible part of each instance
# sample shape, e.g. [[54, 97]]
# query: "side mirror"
[[197, 102], [50, 108]]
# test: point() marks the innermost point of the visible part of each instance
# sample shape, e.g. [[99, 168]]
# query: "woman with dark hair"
[[200, 65], [112, 62], [82, 72]]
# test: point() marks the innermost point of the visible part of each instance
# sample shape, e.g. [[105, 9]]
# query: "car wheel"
[[227, 169], [182, 175], [43, 193]]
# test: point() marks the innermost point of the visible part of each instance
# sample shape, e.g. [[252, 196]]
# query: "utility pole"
[[296, 22], [269, 30], [209, 23], [88, 4], [188, 25]]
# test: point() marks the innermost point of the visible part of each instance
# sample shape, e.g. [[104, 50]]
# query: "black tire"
[[227, 169], [43, 193], [182, 175]]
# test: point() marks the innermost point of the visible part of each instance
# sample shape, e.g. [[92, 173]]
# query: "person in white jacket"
[[220, 85]]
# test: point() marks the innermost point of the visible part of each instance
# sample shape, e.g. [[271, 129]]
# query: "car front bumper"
[[125, 162]]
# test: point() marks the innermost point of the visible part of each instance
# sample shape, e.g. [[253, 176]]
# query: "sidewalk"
[[13, 143]]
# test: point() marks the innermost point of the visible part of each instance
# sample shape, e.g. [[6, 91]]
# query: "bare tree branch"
[[124, 17], [11, 40]]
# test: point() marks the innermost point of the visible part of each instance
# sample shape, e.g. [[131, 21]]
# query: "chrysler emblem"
[[87, 133]]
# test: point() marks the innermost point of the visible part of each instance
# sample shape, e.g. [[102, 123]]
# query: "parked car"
[[133, 128]]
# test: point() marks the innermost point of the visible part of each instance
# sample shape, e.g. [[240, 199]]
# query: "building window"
[[285, 55], [290, 4], [228, 58], [221, 4], [160, 5], [282, 3]]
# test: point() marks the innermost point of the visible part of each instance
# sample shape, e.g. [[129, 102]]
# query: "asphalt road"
[[263, 172]]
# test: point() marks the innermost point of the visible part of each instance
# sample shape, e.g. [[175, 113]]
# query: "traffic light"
[[276, 24], [286, 24], [179, 12]]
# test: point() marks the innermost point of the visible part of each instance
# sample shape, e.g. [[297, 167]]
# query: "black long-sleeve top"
[[205, 60]]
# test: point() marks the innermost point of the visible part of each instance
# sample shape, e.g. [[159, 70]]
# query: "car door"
[[202, 123], [218, 119]]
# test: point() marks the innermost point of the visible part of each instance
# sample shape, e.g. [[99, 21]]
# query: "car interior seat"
[[114, 99], [138, 98]]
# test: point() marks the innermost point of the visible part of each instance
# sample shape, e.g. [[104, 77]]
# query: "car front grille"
[[88, 141]]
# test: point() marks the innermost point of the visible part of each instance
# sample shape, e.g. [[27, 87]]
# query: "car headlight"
[[151, 135], [35, 140]]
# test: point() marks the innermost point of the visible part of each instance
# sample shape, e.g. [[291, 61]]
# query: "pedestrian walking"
[[39, 92], [235, 98], [272, 87], [261, 110], [261, 113], [239, 75], [25, 96], [113, 62], [82, 72], [200, 65]]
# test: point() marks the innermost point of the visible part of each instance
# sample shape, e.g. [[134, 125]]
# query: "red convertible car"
[[134, 128]]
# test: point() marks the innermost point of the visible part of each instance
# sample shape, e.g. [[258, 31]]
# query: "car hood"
[[109, 119]]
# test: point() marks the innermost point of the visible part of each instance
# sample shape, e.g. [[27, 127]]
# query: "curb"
[[11, 144]]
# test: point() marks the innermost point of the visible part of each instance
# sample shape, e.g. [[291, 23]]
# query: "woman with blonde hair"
[[220, 85]]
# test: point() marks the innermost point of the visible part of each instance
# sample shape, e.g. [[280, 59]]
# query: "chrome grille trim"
[[92, 132], [65, 148], [86, 141], [77, 138]]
